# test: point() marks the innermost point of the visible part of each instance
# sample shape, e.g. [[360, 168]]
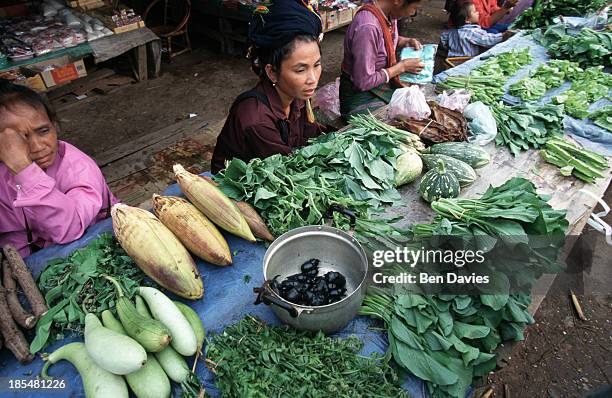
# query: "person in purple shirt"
[[50, 192], [370, 70]]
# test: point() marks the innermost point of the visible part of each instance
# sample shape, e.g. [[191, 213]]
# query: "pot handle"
[[344, 211], [263, 296]]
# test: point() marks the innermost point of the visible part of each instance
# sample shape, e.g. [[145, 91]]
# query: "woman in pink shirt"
[[50, 192]]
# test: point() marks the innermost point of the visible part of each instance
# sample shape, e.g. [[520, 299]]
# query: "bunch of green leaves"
[[555, 72], [252, 359], [449, 339], [587, 87], [543, 12], [74, 286], [528, 89], [602, 117], [587, 48], [573, 160], [486, 82], [514, 226], [354, 168], [191, 387], [525, 126]]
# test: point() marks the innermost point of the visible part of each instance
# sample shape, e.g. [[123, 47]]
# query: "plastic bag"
[[456, 100], [482, 124], [328, 100], [409, 102]]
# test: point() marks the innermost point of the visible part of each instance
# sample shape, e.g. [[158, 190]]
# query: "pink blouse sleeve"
[[56, 216], [365, 76]]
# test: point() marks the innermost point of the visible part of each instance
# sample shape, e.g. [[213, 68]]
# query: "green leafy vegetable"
[[587, 48], [252, 359], [527, 125], [448, 340], [528, 89], [603, 117], [542, 12], [73, 286], [486, 82]]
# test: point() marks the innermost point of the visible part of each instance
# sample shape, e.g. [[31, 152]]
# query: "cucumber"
[[141, 307], [163, 309], [152, 334], [97, 382], [171, 361], [109, 321], [471, 154], [194, 320], [173, 364], [112, 351], [464, 172], [149, 382]]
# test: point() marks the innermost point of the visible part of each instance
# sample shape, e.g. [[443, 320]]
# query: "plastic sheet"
[[587, 133], [427, 55], [228, 298]]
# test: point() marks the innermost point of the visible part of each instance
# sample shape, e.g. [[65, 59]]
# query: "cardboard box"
[[32, 80], [332, 20], [64, 72], [345, 17], [323, 14]]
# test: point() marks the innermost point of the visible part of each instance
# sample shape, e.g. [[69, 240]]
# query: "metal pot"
[[337, 251]]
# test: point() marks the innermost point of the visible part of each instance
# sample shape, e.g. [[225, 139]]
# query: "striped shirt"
[[469, 40]]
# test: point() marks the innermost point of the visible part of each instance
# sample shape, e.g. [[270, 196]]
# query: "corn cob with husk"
[[156, 251], [192, 228], [257, 225], [213, 203]]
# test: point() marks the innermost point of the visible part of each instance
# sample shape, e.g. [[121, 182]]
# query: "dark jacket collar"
[[277, 106]]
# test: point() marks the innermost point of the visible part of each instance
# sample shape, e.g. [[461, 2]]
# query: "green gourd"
[[439, 183]]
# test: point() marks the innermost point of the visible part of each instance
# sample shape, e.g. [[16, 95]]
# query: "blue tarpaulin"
[[228, 298], [587, 133]]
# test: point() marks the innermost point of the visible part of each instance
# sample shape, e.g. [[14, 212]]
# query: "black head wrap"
[[277, 24]]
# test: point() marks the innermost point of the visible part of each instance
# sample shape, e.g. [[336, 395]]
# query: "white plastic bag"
[[456, 100], [409, 102], [482, 124]]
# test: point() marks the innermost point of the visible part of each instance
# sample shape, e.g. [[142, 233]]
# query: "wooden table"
[[565, 192]]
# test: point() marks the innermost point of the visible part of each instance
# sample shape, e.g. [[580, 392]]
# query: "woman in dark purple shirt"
[[275, 116], [370, 71]]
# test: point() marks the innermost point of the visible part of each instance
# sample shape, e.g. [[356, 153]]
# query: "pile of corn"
[[159, 242]]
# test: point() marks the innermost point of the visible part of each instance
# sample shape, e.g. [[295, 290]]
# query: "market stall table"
[[140, 41], [228, 293]]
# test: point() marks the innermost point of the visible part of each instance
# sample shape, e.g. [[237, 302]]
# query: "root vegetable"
[[13, 338], [23, 275], [20, 315]]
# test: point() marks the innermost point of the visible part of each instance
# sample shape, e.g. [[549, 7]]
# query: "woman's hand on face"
[[14, 150], [412, 65]]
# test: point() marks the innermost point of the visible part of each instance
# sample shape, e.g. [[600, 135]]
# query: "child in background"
[[468, 39]]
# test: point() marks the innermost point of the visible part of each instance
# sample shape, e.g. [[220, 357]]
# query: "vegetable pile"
[[525, 126], [12, 314], [74, 285], [143, 349], [587, 48], [253, 359], [573, 160], [449, 339], [589, 86], [355, 168], [528, 89], [603, 117], [486, 82], [542, 12]]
